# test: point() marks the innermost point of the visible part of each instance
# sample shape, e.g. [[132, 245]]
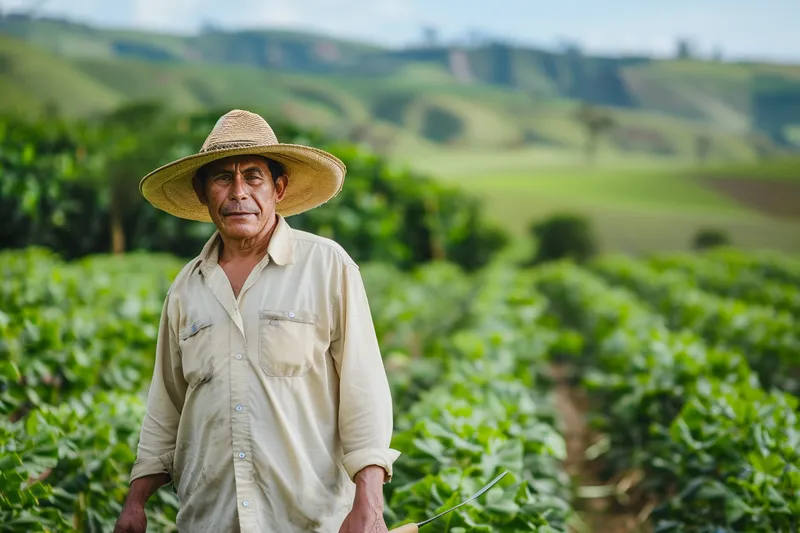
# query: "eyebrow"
[[245, 170]]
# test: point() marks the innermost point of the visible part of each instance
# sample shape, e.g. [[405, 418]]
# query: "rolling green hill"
[[498, 119], [496, 95]]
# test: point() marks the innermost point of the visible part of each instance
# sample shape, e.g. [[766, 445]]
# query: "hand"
[[132, 519], [366, 516], [363, 519]]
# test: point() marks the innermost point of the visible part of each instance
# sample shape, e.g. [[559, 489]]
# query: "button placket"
[[240, 435]]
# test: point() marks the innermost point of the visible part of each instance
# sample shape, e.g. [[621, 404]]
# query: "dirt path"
[[600, 514]]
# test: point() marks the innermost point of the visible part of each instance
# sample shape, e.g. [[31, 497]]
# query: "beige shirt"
[[263, 408]]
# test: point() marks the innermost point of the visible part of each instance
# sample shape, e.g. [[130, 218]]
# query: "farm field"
[[683, 369], [637, 205]]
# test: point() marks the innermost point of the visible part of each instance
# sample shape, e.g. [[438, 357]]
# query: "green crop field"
[[677, 353]]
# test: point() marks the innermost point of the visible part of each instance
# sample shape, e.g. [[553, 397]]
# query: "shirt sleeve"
[[164, 403], [365, 402]]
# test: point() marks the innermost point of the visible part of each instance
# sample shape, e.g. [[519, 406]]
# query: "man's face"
[[241, 195]]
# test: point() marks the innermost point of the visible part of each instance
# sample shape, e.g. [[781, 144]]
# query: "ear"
[[199, 190], [280, 187]]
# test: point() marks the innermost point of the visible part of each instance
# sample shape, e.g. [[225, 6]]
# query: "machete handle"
[[407, 528]]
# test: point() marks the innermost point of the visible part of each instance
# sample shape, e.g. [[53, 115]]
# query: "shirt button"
[[241, 455], [239, 407], [239, 356], [291, 314], [246, 503]]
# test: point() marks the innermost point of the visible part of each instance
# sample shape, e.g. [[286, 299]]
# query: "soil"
[[605, 514], [772, 197]]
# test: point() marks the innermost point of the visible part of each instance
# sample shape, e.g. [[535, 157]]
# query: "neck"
[[251, 249]]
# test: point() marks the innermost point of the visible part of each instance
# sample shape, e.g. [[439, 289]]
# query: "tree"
[[596, 123], [707, 238], [129, 142], [563, 236], [684, 49], [430, 36], [702, 147]]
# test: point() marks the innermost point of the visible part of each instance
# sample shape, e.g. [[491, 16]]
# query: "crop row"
[[770, 338], [767, 264], [719, 452], [487, 413], [732, 280]]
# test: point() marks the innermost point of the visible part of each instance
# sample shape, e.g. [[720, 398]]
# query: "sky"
[[740, 29]]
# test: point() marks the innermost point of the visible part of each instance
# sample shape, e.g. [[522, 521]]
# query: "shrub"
[[710, 238], [564, 236]]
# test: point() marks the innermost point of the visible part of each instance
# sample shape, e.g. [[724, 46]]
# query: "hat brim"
[[314, 177]]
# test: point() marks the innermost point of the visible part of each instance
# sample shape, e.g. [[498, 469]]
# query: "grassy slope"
[[79, 41], [717, 92], [490, 115], [637, 205], [632, 211], [34, 76]]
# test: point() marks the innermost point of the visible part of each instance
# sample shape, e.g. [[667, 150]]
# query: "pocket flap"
[[293, 315], [193, 327]]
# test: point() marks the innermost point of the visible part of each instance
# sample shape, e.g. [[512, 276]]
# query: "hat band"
[[228, 145]]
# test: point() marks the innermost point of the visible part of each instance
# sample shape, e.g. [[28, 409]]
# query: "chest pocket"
[[196, 350], [286, 342]]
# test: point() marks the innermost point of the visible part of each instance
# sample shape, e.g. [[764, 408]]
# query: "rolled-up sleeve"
[[164, 403], [365, 402]]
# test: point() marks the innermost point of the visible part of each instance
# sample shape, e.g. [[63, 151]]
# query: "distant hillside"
[[406, 100]]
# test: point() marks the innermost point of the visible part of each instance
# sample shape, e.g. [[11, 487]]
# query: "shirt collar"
[[280, 249]]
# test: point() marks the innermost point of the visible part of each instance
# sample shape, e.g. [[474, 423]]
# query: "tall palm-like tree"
[[596, 123]]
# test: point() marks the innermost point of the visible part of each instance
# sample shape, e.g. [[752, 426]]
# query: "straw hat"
[[314, 176]]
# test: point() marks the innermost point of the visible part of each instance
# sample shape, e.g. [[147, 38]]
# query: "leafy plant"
[[770, 338]]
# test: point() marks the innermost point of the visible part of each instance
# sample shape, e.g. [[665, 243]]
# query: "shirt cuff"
[[148, 466], [357, 460]]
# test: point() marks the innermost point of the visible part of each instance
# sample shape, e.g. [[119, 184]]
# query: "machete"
[[414, 528]]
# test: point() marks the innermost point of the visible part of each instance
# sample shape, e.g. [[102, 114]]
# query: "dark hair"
[[276, 170]]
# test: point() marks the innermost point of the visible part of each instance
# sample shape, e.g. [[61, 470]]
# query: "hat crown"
[[239, 129]]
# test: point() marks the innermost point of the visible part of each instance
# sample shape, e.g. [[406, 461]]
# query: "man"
[[269, 408]]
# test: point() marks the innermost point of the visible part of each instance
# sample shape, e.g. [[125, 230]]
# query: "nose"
[[238, 190]]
